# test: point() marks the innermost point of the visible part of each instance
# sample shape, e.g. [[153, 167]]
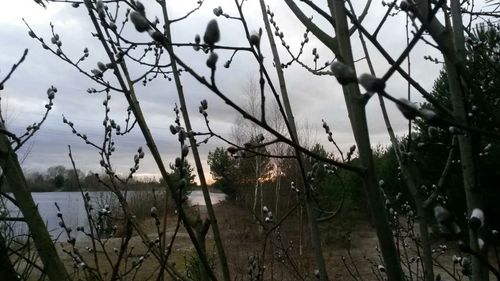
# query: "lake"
[[73, 210]]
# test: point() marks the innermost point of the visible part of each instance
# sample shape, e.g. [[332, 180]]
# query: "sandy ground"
[[243, 239]]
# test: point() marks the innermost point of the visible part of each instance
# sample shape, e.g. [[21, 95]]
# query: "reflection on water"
[[73, 210], [196, 198]]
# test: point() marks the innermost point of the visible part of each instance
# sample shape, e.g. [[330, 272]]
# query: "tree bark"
[[311, 213], [194, 148], [451, 42], [458, 93], [47, 252], [357, 116], [126, 84], [410, 172]]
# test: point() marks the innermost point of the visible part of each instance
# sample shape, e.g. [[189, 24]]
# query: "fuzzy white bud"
[[476, 219], [408, 109], [204, 104], [140, 7], [371, 83], [101, 66], [212, 60], [480, 244], [428, 115], [185, 150], [156, 35], [212, 33], [442, 215], [140, 22], [404, 5], [344, 74], [154, 212], [173, 129], [96, 72], [255, 38]]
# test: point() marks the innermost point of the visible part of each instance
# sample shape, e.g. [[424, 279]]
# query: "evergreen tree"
[[483, 105]]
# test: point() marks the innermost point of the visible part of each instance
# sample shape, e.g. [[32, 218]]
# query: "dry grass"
[[287, 249], [243, 238]]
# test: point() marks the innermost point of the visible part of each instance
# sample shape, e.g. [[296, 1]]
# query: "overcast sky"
[[313, 98]]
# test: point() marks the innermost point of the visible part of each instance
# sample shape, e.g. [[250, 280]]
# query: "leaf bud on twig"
[[185, 150], [140, 8], [404, 6], [157, 36], [255, 38], [408, 109], [212, 60], [99, 5], [218, 11], [97, 73], [476, 219], [204, 104], [344, 74], [428, 115], [101, 66], [480, 244], [173, 129], [140, 22], [212, 33], [371, 83], [154, 212]]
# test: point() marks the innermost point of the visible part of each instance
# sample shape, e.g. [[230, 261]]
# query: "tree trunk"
[[311, 213], [452, 46], [410, 172], [123, 77], [357, 116], [469, 173], [458, 93], [194, 148], [53, 266]]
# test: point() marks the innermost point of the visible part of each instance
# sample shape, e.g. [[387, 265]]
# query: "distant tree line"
[[60, 178]]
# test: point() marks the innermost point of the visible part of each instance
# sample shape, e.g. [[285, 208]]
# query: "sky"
[[313, 98]]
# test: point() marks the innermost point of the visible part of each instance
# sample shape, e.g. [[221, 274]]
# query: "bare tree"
[[14, 176]]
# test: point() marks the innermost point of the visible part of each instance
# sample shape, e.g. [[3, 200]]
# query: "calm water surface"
[[73, 210]]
